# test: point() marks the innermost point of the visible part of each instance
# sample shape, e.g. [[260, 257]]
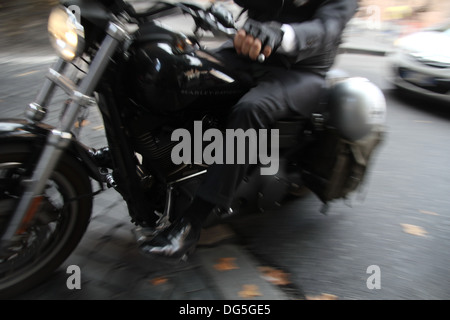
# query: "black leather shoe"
[[177, 242]]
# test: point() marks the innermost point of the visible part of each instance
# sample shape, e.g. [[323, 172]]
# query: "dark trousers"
[[278, 94]]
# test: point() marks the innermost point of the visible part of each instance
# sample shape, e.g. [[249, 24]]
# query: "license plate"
[[418, 78]]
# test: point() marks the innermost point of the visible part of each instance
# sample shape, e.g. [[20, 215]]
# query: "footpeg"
[[144, 234]]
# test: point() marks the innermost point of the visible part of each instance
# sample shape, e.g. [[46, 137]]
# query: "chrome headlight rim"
[[66, 33]]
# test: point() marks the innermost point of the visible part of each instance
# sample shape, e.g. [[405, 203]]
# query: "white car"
[[420, 63]]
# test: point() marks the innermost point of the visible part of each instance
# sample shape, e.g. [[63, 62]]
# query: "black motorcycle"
[[148, 81]]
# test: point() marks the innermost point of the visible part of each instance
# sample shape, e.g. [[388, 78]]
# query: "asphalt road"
[[399, 223]]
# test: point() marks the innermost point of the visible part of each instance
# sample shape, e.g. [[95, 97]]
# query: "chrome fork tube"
[[37, 110], [60, 138]]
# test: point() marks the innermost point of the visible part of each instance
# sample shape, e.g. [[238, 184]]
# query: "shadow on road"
[[420, 103]]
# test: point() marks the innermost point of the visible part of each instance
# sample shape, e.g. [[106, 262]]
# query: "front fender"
[[21, 130]]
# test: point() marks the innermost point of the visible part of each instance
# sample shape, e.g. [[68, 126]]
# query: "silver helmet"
[[356, 106]]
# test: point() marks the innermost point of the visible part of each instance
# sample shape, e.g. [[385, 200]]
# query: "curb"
[[365, 51]]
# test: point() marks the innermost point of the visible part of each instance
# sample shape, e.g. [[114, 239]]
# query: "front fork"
[[59, 138]]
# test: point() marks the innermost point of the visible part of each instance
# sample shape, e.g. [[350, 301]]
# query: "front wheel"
[[57, 226]]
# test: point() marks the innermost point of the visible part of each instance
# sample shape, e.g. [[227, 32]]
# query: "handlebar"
[[216, 19]]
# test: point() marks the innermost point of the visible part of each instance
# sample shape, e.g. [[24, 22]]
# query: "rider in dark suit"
[[299, 39]]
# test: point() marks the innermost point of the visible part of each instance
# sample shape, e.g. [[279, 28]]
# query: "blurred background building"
[[20, 20], [410, 14]]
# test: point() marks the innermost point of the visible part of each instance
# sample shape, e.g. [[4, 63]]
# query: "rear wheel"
[[55, 229]]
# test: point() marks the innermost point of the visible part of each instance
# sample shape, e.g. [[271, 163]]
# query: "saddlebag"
[[333, 167]]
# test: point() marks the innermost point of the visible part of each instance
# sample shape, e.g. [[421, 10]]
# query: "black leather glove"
[[269, 33]]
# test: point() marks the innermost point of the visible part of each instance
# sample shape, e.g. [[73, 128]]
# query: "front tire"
[[56, 228]]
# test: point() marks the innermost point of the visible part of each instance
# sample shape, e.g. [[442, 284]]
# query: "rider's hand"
[[258, 37]]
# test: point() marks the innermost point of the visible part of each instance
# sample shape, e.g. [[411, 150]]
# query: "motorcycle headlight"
[[66, 33]]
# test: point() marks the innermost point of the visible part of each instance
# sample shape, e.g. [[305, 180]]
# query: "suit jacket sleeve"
[[323, 32]]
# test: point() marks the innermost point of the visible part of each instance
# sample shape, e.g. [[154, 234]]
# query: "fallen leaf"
[[158, 281], [84, 123], [323, 296], [26, 73], [274, 276], [225, 264], [429, 212], [98, 128], [250, 291], [414, 230]]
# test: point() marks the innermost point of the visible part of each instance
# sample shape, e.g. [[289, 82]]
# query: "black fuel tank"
[[167, 72]]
